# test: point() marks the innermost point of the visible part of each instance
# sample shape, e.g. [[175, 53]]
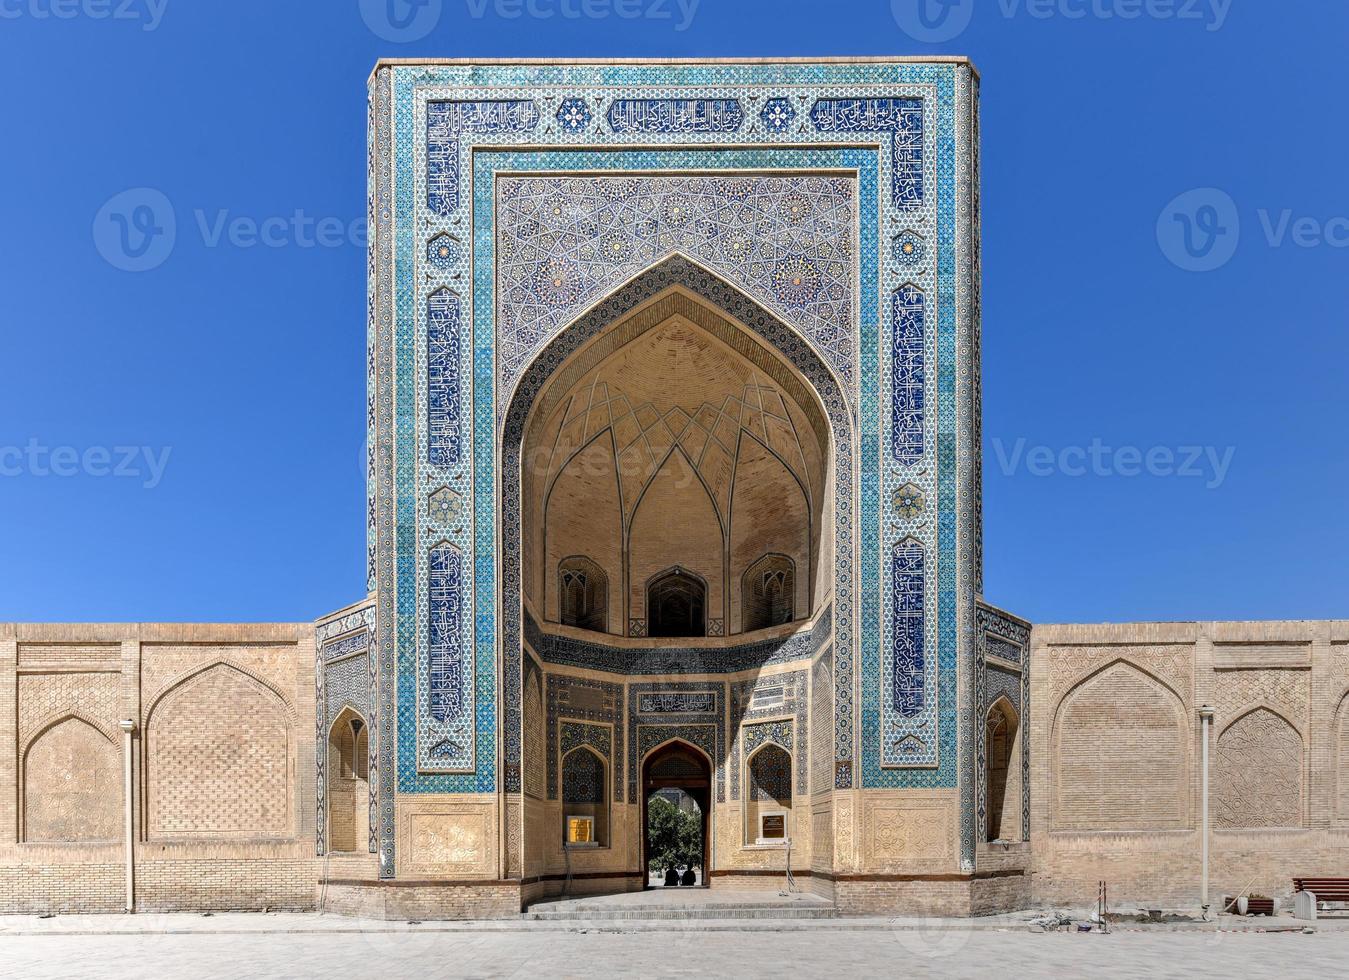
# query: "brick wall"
[[223, 766], [1116, 749]]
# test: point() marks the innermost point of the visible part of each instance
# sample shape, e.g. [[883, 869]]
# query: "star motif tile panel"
[[564, 241]]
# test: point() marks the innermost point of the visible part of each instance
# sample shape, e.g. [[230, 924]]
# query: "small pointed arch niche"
[[347, 788], [583, 594], [1002, 772]]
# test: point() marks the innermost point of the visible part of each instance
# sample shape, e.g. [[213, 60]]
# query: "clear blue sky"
[[247, 363]]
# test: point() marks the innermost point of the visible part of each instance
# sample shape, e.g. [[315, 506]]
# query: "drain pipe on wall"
[[1205, 724], [128, 728]]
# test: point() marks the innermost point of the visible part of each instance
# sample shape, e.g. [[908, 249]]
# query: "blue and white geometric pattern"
[[910, 250], [911, 119], [442, 252], [777, 115], [788, 241], [573, 115]]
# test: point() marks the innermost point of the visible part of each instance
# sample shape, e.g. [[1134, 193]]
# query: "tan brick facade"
[[224, 786], [222, 756], [1116, 779]]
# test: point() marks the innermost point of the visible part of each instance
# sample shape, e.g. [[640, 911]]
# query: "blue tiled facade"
[[870, 297]]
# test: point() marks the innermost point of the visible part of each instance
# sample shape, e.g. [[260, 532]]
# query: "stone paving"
[[304, 946]]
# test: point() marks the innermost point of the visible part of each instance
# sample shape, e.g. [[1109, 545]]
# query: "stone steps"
[[672, 914], [599, 910]]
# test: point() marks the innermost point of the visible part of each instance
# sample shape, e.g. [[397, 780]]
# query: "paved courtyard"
[[340, 947]]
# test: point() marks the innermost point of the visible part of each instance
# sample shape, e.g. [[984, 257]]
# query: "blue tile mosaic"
[[907, 351], [777, 115], [448, 122], [901, 118], [443, 340], [675, 115], [573, 115], [907, 119]]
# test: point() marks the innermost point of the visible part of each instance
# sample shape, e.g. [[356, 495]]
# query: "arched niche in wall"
[[1120, 754], [72, 784], [585, 798], [768, 797], [217, 749], [1002, 777], [348, 788], [1258, 773], [674, 438]]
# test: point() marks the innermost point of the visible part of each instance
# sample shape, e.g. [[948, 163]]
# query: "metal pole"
[[1205, 723], [128, 727]]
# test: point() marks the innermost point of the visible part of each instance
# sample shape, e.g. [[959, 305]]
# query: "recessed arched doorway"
[[677, 775], [675, 482]]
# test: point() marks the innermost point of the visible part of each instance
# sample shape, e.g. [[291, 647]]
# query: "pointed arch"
[[675, 743], [826, 408], [768, 593], [218, 751], [1259, 778], [770, 773], [583, 594], [1002, 771], [70, 787], [582, 515], [347, 785], [1120, 753], [676, 528], [585, 797], [676, 603]]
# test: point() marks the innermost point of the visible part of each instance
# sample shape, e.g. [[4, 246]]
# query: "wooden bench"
[[1326, 890]]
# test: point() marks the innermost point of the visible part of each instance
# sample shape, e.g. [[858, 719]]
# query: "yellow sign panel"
[[580, 830]]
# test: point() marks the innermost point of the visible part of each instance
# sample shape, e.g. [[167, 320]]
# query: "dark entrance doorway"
[[676, 781]]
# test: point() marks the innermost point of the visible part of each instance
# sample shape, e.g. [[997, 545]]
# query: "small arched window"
[[768, 593], [676, 604], [583, 594]]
